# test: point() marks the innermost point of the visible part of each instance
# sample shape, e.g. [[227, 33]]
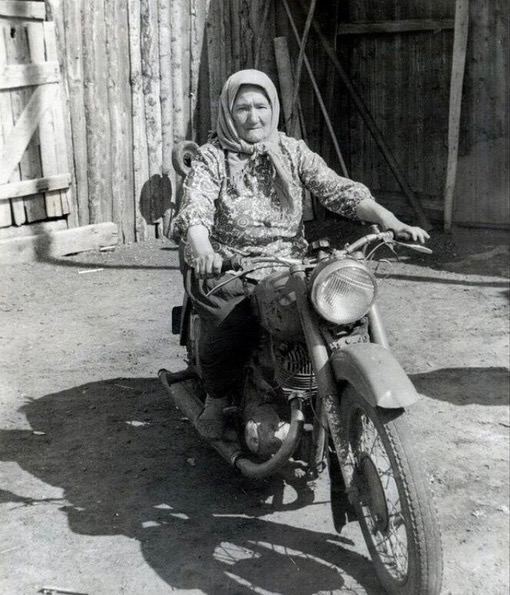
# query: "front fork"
[[376, 326], [328, 415], [328, 399], [328, 396]]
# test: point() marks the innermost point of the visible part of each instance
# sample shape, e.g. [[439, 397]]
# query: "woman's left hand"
[[369, 210], [409, 232], [402, 230]]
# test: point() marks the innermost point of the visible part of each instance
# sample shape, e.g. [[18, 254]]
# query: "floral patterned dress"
[[251, 221]]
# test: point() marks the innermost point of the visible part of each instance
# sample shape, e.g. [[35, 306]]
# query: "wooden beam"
[[22, 10], [32, 229], [119, 100], [397, 26], [47, 137], [140, 155], [456, 82], [215, 59], [165, 72], [28, 187], [19, 137], [260, 36], [177, 12], [58, 122], [318, 93], [301, 55], [97, 118], [73, 64], [151, 83], [286, 83], [46, 246], [6, 216], [14, 76]]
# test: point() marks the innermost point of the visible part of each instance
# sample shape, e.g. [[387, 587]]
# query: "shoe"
[[211, 423]]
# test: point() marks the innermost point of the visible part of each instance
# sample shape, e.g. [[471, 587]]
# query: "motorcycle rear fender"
[[375, 374]]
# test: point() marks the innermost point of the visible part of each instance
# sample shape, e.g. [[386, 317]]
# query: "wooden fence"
[[398, 54], [142, 74], [34, 170]]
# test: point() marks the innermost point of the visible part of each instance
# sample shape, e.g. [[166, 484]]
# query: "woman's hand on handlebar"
[[208, 265], [403, 231], [369, 210], [206, 262], [410, 232]]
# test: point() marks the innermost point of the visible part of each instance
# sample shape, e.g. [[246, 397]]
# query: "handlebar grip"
[[416, 247], [233, 263], [226, 265]]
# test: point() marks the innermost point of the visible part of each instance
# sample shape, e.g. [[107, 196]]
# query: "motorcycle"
[[323, 389]]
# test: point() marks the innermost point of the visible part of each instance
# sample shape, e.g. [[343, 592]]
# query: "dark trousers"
[[228, 331]]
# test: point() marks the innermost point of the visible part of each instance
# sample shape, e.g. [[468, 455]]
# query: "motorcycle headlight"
[[343, 291]]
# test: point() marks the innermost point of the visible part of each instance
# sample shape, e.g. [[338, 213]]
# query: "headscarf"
[[237, 149]]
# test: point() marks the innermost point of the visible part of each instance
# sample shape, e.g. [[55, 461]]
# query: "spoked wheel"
[[388, 489]]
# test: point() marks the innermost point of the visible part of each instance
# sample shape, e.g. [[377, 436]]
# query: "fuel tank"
[[275, 305]]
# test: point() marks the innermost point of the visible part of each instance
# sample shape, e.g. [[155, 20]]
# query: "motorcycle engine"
[[293, 369], [278, 370], [281, 366]]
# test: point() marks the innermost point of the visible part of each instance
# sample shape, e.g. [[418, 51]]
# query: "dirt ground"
[[106, 489]]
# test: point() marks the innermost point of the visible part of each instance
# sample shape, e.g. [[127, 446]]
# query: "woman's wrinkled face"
[[252, 114]]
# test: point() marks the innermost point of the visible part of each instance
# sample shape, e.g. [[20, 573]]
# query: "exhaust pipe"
[[187, 401], [277, 461]]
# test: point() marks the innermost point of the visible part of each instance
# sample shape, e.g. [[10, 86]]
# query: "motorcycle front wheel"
[[388, 489]]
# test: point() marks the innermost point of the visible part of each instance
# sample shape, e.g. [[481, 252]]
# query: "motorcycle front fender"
[[374, 372]]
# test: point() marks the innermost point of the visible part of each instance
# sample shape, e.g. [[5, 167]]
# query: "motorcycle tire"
[[388, 489]]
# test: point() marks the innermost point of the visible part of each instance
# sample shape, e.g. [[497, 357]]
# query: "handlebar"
[[384, 236], [234, 263], [237, 263]]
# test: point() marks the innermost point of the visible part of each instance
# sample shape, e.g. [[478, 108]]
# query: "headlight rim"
[[322, 272]]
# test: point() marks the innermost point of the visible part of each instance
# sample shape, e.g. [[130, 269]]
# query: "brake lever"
[[415, 247]]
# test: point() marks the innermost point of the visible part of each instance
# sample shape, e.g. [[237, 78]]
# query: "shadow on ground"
[[130, 465], [465, 386]]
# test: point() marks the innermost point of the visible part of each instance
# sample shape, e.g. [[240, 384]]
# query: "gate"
[[35, 183]]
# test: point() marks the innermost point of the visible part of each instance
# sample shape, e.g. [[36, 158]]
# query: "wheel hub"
[[372, 493]]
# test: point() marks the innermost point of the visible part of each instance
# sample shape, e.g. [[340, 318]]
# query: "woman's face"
[[252, 114]]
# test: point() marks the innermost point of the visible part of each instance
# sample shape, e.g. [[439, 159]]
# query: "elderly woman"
[[244, 195]]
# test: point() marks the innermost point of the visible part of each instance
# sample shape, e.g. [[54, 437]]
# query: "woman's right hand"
[[208, 265]]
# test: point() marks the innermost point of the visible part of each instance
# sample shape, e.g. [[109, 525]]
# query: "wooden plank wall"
[[315, 131], [482, 192], [404, 79], [140, 76], [34, 168], [15, 49]]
